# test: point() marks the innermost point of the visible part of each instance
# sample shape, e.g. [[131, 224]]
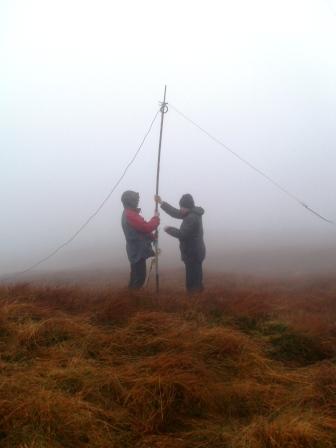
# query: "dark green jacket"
[[190, 233]]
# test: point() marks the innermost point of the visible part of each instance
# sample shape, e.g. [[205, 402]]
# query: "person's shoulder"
[[131, 212], [199, 211], [132, 216]]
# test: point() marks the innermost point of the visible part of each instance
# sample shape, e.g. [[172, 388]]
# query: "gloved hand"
[[158, 199]]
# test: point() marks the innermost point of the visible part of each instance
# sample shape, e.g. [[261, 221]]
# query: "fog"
[[80, 82]]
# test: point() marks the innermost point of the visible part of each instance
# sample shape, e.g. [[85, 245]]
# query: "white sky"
[[80, 82]]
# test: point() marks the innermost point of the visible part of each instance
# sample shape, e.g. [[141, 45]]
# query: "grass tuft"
[[250, 365]]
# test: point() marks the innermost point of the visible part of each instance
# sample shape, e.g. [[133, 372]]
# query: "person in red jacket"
[[139, 237]]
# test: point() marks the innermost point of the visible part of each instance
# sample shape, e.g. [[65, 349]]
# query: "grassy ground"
[[250, 364]]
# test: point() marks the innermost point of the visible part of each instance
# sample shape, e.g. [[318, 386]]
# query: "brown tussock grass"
[[105, 368]]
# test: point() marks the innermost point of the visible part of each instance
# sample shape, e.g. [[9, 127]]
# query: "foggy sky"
[[80, 82]]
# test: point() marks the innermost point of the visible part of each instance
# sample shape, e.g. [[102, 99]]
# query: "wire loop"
[[163, 108]]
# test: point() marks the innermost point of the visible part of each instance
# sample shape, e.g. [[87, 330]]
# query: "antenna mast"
[[163, 110]]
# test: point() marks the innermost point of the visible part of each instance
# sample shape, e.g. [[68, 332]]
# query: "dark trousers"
[[194, 276], [138, 274]]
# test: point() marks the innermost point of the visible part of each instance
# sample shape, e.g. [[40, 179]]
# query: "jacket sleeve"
[[171, 211], [186, 229], [138, 223]]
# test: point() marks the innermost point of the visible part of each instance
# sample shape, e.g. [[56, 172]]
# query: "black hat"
[[130, 199], [187, 201]]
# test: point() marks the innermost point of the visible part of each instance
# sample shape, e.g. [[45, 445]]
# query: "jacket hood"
[[198, 211], [130, 199], [187, 201]]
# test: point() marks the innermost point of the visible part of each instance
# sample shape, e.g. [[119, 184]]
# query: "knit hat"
[[130, 199], [187, 201]]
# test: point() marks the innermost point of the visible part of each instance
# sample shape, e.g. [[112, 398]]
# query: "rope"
[[253, 167], [92, 216], [152, 263]]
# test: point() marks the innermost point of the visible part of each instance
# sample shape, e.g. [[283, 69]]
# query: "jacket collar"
[[135, 210]]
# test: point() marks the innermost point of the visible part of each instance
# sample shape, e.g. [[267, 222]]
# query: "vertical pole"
[[163, 111]]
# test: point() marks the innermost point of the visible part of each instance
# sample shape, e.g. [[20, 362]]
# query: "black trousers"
[[138, 274], [194, 276]]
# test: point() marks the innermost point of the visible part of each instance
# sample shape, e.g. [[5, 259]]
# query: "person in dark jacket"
[[190, 236], [139, 237]]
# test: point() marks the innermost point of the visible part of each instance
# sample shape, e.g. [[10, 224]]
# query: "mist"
[[81, 81]]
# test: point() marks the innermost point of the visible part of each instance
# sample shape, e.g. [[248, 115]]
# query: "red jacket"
[[138, 234], [135, 220]]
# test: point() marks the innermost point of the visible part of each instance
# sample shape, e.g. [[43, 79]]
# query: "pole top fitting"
[[163, 107]]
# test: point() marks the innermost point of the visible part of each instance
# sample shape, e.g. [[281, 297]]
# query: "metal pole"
[[163, 110]]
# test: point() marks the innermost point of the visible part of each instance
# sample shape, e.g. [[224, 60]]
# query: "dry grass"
[[250, 365]]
